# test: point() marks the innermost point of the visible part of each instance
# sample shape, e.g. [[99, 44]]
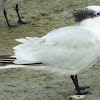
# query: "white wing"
[[67, 47]]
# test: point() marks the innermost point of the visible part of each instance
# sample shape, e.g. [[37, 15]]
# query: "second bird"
[[6, 4]]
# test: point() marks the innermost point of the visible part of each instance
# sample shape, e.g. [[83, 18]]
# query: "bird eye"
[[98, 13]]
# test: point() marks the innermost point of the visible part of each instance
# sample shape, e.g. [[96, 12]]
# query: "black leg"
[[75, 81], [81, 88], [20, 21], [5, 14]]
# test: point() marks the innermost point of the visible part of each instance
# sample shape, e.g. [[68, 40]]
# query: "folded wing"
[[67, 47]]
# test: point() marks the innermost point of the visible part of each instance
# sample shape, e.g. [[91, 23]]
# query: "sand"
[[28, 84]]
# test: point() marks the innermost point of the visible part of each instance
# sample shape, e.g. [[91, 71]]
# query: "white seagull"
[[6, 4], [67, 50]]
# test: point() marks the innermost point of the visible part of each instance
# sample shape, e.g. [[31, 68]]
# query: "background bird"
[[67, 50], [6, 4]]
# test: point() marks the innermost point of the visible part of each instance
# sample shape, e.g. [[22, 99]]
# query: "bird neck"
[[91, 23]]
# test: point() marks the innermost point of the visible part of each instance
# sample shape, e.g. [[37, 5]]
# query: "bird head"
[[86, 13]]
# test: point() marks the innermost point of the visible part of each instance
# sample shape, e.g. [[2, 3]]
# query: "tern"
[[69, 50], [6, 4]]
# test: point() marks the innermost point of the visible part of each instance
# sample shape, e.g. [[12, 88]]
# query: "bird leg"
[[5, 14], [81, 88], [20, 21], [75, 81]]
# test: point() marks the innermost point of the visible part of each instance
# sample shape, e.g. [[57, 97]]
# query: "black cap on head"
[[84, 14]]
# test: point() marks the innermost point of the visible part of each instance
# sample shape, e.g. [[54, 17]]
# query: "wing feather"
[[68, 47]]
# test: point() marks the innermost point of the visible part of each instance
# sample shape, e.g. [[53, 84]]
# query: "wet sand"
[[28, 84]]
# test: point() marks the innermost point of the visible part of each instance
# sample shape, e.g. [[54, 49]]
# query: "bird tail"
[[7, 62], [7, 59]]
